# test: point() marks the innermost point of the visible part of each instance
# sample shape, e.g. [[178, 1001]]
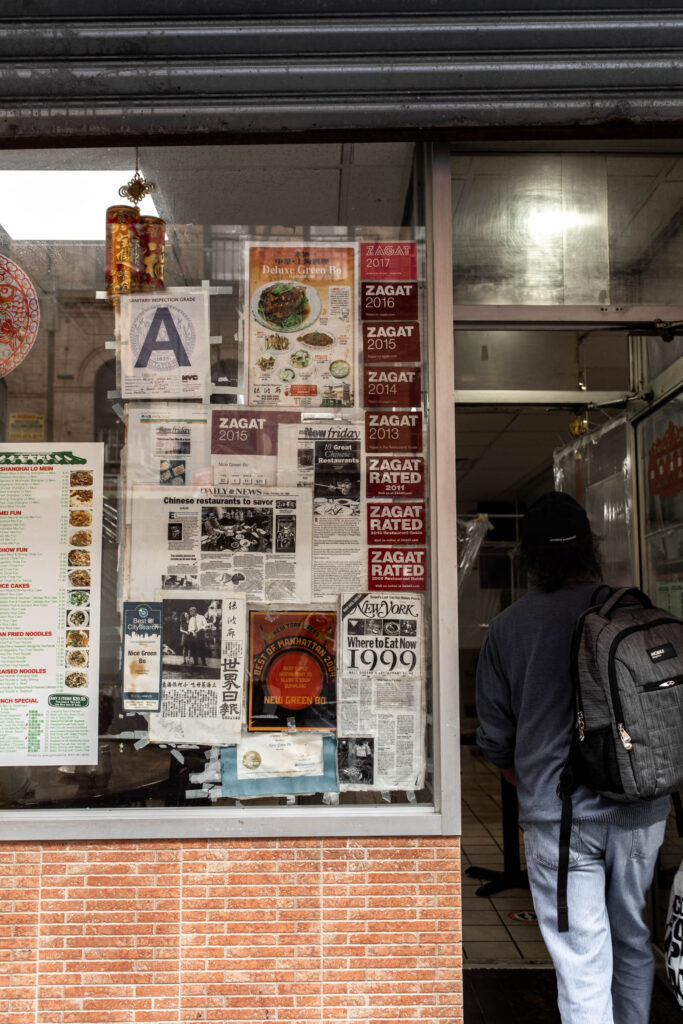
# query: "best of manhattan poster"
[[292, 670]]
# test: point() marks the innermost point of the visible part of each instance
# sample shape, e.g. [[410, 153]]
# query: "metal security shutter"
[[255, 68]]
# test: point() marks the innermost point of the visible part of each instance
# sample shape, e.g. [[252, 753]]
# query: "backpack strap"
[[619, 596], [678, 811], [565, 788], [563, 863]]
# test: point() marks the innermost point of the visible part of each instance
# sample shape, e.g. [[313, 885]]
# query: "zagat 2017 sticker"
[[19, 315]]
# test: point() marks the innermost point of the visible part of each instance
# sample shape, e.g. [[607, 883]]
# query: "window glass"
[[659, 438], [567, 228], [214, 478]]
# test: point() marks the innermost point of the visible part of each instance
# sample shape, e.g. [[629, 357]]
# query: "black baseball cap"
[[555, 518]]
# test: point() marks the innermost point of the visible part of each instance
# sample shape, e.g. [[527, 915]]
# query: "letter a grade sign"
[[165, 345]]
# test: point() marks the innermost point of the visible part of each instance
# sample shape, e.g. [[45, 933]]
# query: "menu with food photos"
[[50, 555], [302, 324]]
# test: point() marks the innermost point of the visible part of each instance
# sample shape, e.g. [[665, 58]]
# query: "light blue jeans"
[[604, 963]]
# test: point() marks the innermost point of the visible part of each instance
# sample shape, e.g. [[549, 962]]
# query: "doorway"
[[525, 397]]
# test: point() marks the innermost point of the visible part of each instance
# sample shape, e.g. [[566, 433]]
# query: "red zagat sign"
[[388, 261], [388, 300], [387, 387], [396, 342], [393, 431], [394, 476], [397, 522], [397, 569]]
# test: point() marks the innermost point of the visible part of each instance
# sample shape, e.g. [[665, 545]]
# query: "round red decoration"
[[19, 315]]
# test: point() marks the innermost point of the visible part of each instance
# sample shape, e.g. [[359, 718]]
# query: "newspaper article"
[[381, 692], [202, 670], [168, 444], [329, 458], [240, 540]]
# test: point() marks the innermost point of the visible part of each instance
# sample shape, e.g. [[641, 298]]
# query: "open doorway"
[[509, 451]]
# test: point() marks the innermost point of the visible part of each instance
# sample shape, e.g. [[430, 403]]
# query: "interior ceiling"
[[502, 452]]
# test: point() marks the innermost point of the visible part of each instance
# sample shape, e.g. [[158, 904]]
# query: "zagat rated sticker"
[[394, 476], [397, 522], [390, 386], [397, 569]]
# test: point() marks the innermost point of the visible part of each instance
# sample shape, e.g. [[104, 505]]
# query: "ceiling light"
[[61, 205], [544, 223]]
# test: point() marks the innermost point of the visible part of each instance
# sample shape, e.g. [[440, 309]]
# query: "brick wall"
[[253, 931]]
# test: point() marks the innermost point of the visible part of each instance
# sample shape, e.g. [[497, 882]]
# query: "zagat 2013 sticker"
[[19, 315]]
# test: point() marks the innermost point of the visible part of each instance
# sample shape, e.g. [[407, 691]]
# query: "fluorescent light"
[[61, 205], [544, 223]]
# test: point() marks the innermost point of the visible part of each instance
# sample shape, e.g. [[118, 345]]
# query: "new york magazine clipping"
[[381, 692]]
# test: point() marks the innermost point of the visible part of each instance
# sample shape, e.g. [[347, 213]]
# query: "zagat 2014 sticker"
[[19, 315]]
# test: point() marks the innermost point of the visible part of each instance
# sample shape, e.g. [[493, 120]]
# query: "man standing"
[[196, 629], [604, 963]]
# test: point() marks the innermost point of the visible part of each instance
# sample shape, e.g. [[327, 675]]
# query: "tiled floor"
[[490, 934]]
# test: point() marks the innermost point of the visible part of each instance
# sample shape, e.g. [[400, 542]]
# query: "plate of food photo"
[[286, 305]]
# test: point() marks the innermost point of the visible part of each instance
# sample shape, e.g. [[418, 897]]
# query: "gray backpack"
[[627, 670]]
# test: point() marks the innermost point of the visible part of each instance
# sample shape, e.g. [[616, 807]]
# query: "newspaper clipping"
[[202, 670], [329, 458], [168, 444], [250, 541], [381, 692]]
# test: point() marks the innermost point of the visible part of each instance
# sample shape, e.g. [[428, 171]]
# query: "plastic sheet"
[[471, 533], [596, 469]]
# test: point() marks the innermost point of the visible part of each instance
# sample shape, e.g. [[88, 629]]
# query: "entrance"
[[540, 407]]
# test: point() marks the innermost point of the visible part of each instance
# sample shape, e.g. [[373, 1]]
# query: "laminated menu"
[[50, 556]]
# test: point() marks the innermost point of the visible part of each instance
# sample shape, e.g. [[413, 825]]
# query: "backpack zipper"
[[612, 672], [663, 684]]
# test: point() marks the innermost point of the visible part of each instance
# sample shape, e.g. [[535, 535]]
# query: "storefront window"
[[215, 477]]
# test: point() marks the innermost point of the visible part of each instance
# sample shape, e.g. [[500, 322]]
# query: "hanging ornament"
[[135, 245], [579, 426]]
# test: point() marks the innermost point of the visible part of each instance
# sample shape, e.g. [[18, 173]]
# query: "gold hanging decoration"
[[138, 187], [579, 426]]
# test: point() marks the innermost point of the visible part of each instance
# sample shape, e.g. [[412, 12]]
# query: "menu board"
[[50, 555], [301, 315]]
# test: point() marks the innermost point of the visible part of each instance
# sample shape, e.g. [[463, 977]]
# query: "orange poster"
[[292, 670], [301, 315]]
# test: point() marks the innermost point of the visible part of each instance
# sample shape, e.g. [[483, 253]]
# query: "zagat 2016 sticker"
[[19, 315]]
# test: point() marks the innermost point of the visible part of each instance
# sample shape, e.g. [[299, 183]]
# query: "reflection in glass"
[[567, 228]]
